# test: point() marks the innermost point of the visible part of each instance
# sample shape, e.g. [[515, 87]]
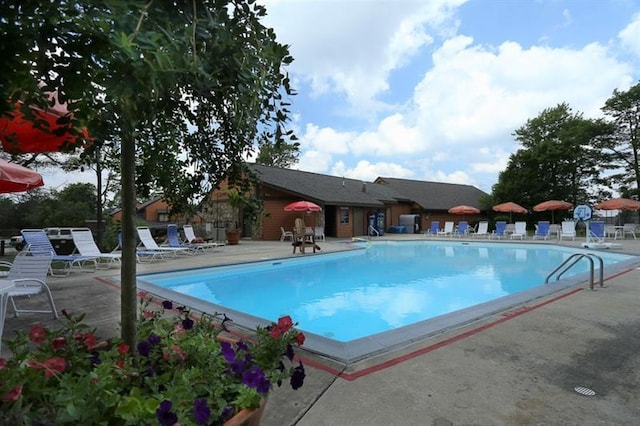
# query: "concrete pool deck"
[[517, 367]]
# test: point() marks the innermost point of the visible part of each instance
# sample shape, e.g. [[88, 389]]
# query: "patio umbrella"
[[15, 178], [302, 206], [509, 207], [464, 210], [552, 205], [618, 204], [20, 134]]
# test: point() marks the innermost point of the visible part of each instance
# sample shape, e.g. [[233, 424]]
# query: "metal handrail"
[[575, 258]]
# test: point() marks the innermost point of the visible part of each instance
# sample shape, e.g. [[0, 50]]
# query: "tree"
[[621, 151], [556, 160], [182, 89]]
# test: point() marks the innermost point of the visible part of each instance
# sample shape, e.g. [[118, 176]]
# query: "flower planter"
[[233, 236], [247, 417]]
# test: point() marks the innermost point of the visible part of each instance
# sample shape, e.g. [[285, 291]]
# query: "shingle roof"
[[434, 195], [328, 190]]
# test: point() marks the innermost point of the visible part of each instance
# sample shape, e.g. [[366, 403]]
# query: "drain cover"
[[584, 391]]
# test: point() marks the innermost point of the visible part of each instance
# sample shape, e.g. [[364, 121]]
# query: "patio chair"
[[86, 246], [629, 229], [542, 230], [173, 241], [434, 228], [37, 242], [500, 231], [142, 255], [318, 231], [285, 235], [448, 229], [519, 231], [147, 241], [461, 230], [191, 238], [569, 230], [28, 271], [596, 236], [483, 229]]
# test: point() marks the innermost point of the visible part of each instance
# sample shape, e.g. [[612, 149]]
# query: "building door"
[[359, 223]]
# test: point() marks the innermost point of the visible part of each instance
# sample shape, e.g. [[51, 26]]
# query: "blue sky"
[[433, 90]]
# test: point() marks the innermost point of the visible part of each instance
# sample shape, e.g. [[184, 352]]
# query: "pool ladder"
[[575, 258]]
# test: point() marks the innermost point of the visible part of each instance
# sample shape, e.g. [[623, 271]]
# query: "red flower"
[[123, 348], [300, 339], [148, 314], [3, 363], [120, 363], [285, 323], [275, 332], [90, 340], [13, 394], [54, 366], [34, 364], [37, 334], [58, 343]]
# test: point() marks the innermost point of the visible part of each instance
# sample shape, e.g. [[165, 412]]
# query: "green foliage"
[[180, 368]]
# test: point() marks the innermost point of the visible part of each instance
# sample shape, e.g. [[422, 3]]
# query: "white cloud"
[[630, 36]]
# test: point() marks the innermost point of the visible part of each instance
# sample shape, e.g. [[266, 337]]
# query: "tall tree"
[[556, 160], [622, 150], [184, 90]]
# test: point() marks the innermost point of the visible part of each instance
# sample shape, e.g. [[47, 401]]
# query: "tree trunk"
[[128, 270]]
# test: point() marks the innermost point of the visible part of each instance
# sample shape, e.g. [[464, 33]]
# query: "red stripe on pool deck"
[[507, 315]]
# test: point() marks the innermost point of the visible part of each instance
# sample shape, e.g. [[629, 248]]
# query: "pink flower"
[[13, 395], [54, 366], [148, 314], [58, 343], [37, 334]]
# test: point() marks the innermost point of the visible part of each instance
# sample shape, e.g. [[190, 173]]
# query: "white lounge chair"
[[448, 229], [38, 242], [519, 231], [191, 237], [86, 246], [28, 271], [147, 241], [483, 230], [142, 255], [568, 230]]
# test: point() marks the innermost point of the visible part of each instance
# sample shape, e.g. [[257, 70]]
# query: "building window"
[[163, 216], [344, 215]]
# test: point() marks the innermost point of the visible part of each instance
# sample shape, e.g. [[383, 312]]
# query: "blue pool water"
[[351, 295]]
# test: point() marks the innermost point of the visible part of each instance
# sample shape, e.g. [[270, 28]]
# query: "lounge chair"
[[448, 229], [173, 241], [147, 241], [285, 235], [433, 229], [500, 231], [142, 255], [629, 229], [462, 229], [37, 242], [483, 229], [28, 272], [520, 231], [191, 238], [86, 246], [596, 235], [568, 230], [542, 230]]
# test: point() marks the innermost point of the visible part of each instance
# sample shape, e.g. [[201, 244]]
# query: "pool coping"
[[402, 337]]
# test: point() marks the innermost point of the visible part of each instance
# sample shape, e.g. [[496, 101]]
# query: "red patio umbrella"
[[15, 178], [618, 204], [509, 207], [464, 210], [47, 131], [552, 205], [302, 206]]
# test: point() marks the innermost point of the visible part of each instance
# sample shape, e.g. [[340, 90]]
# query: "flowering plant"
[[179, 373]]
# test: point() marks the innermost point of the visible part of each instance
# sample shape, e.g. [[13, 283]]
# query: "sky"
[[434, 89]]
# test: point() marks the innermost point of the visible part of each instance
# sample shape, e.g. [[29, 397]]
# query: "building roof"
[[434, 195]]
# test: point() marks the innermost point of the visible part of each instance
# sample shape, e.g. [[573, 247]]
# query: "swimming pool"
[[354, 303]]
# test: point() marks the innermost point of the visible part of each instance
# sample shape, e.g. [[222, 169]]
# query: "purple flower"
[[154, 339], [144, 347], [254, 378], [297, 377], [164, 415], [167, 304], [201, 412], [227, 352], [289, 352], [187, 323], [242, 346], [95, 358], [227, 412]]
